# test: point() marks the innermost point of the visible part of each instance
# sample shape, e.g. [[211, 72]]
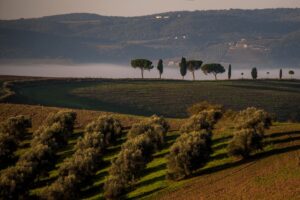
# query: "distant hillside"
[[265, 37]]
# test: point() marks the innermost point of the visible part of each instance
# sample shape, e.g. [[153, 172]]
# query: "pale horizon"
[[15, 9]]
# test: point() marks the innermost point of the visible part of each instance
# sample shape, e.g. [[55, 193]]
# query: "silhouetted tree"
[[213, 68], [242, 74], [160, 67], [254, 73], [291, 72], [268, 73], [183, 67], [143, 64], [280, 74], [229, 72], [193, 65]]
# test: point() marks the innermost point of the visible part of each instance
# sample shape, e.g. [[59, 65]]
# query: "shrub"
[[114, 186], [125, 168], [156, 120], [39, 157], [12, 131], [143, 126], [203, 106], [253, 118], [76, 169], [130, 161], [62, 188], [82, 164], [53, 136], [244, 142], [110, 127], [65, 118], [13, 180], [141, 142], [203, 120], [16, 126], [189, 152], [155, 127], [8, 145], [128, 165], [250, 124], [91, 140]]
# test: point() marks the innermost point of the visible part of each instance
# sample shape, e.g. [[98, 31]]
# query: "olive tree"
[[250, 127], [213, 68], [202, 106], [12, 131], [107, 125], [203, 120], [143, 64], [189, 152]]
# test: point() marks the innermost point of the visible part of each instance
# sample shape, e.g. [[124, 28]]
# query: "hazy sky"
[[10, 9]]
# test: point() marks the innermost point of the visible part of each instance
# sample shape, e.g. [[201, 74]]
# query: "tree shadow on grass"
[[219, 156], [92, 191], [146, 193], [222, 139], [280, 141], [170, 138], [154, 169], [160, 155], [279, 134], [150, 181], [251, 159], [218, 147], [44, 182]]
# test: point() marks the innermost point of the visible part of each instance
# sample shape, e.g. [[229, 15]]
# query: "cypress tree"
[[280, 74], [229, 72], [183, 67], [160, 67], [254, 73]]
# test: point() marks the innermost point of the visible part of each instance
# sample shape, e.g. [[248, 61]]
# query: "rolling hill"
[[266, 37]]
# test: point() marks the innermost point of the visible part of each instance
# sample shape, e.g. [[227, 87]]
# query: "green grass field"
[[168, 98]]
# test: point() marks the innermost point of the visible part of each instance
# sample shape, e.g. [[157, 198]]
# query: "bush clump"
[[16, 180], [204, 120], [53, 136], [110, 127], [16, 126], [189, 152], [250, 128], [144, 139], [83, 163], [203, 106], [62, 188], [65, 118], [253, 118], [155, 127], [12, 131], [128, 165]]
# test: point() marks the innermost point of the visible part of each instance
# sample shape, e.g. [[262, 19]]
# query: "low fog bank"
[[108, 70]]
